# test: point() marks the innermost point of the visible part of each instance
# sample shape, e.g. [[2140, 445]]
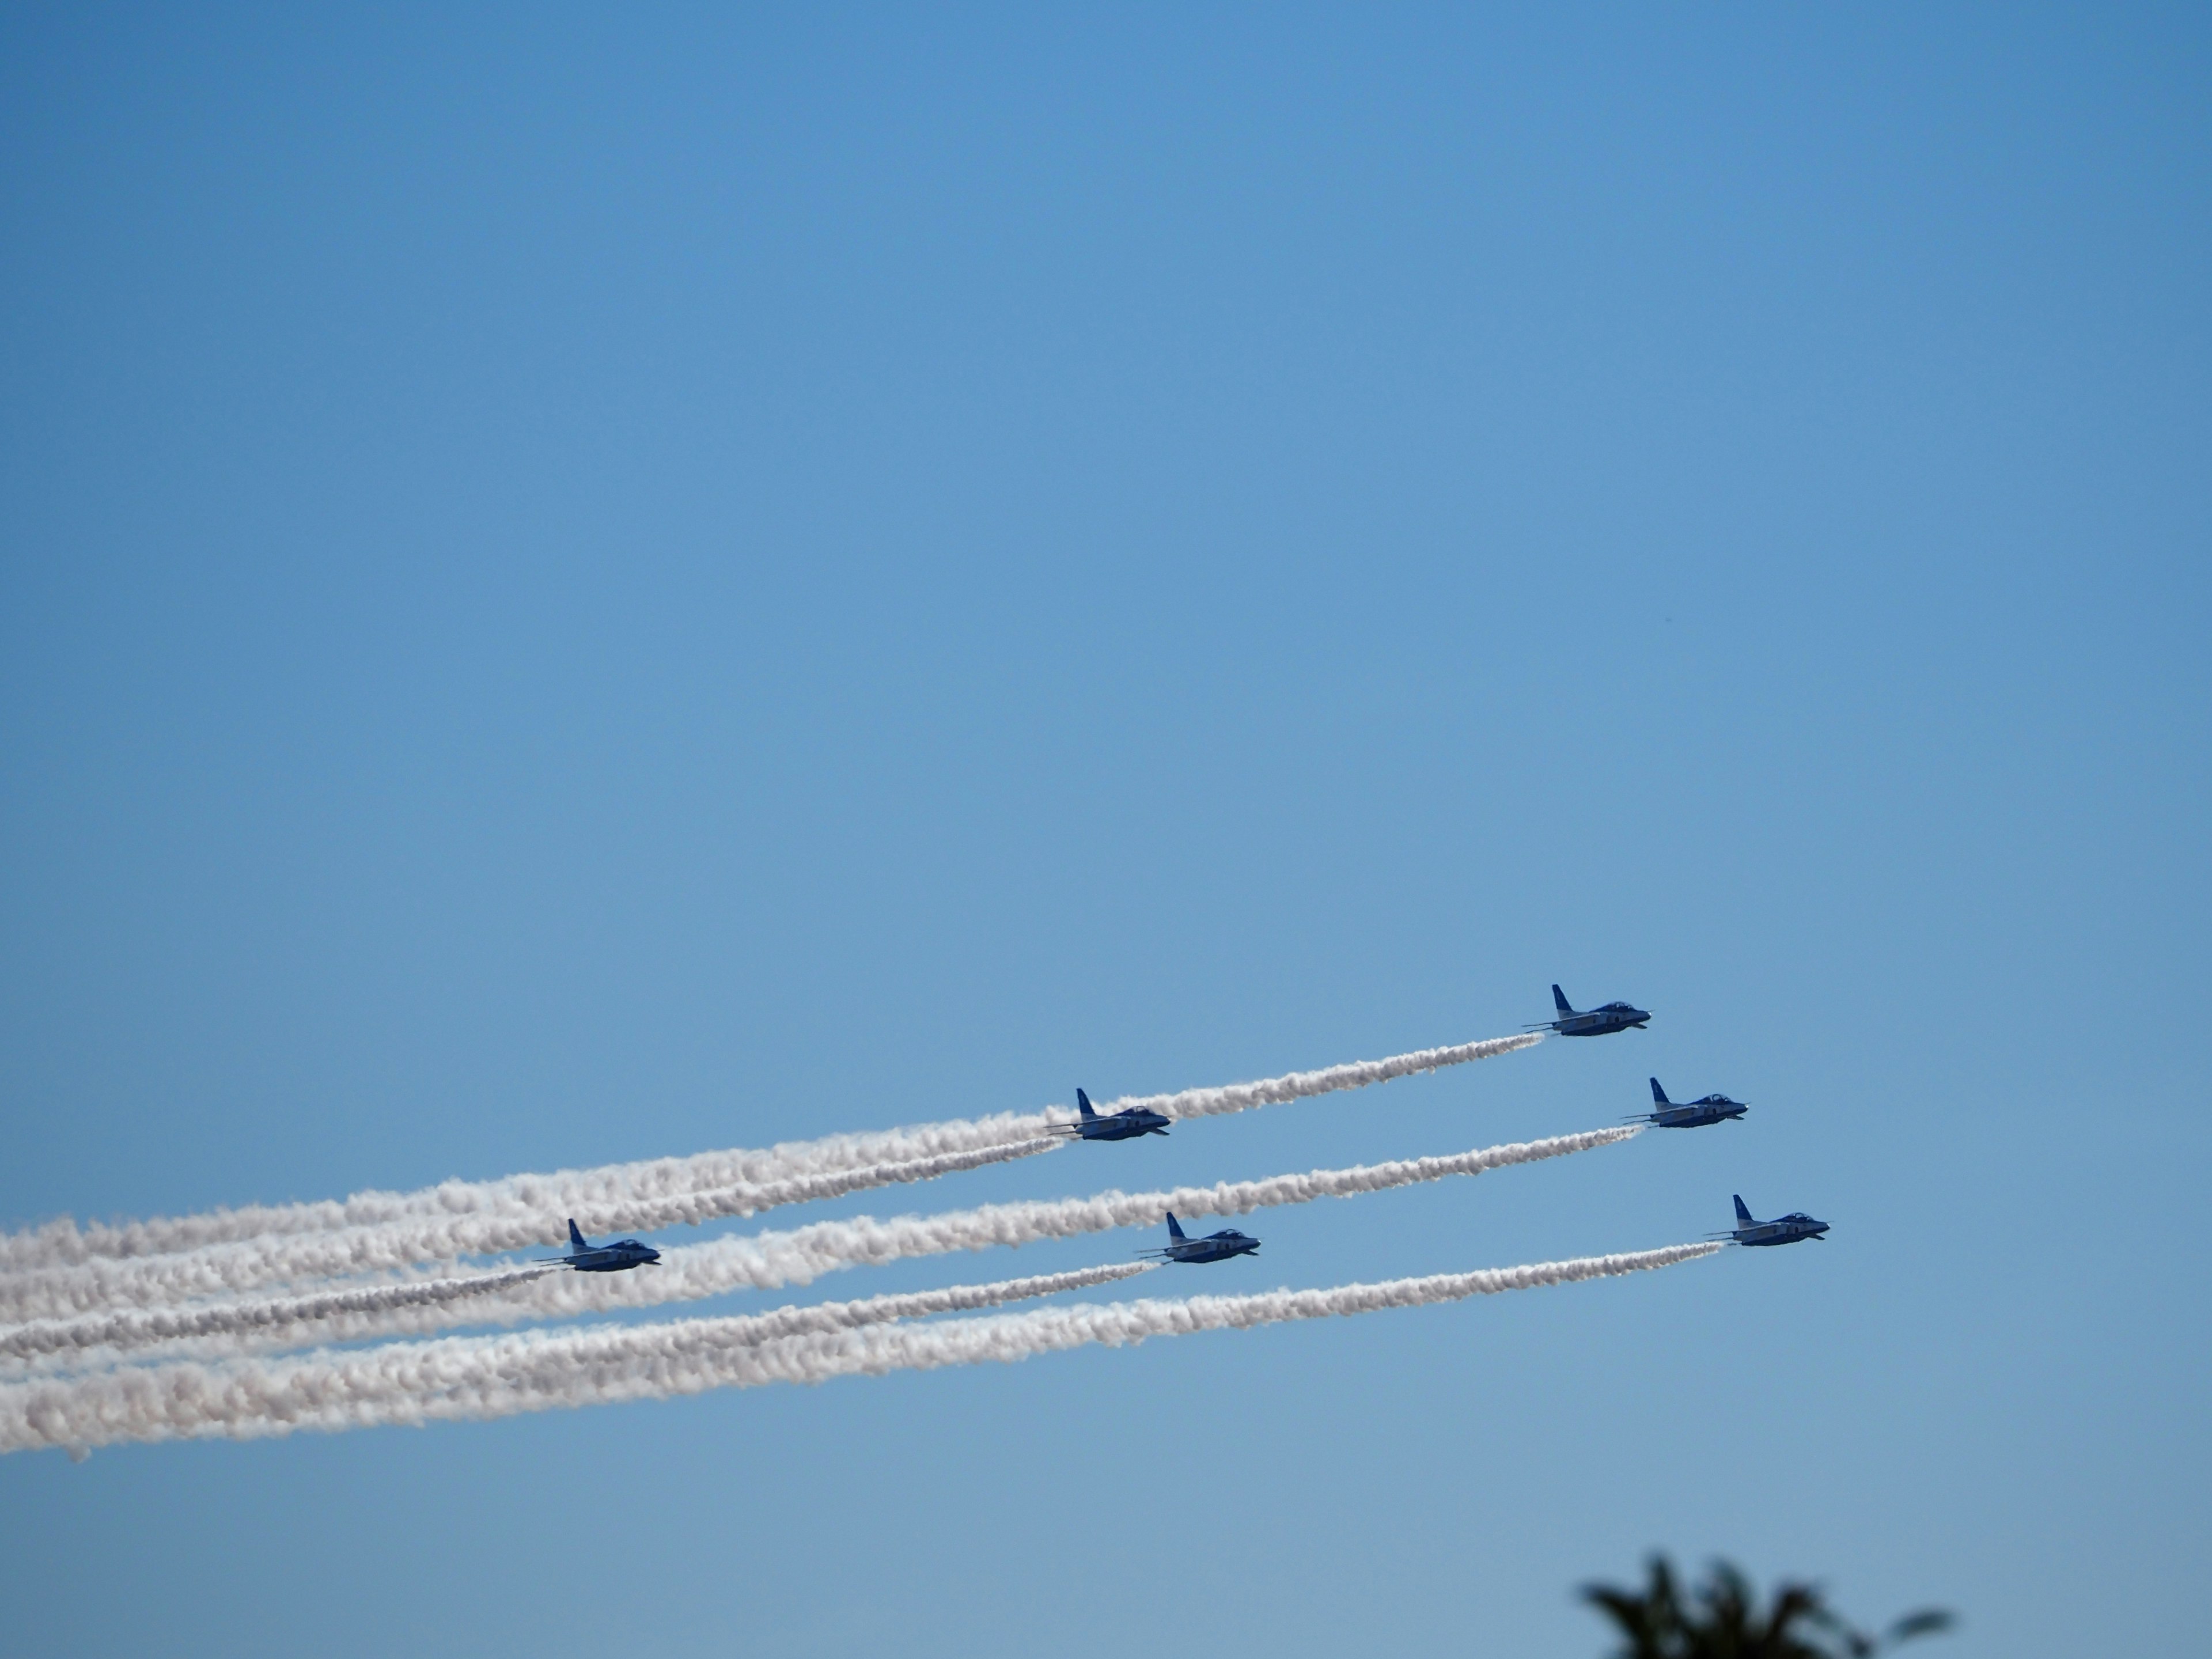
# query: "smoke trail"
[[1303, 1085], [216, 1331], [614, 1190], [801, 1255], [768, 1261], [160, 1282], [141, 1329], [541, 1371], [823, 1317]]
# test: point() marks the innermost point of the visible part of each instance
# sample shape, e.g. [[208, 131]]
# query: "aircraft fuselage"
[[1217, 1248], [1789, 1230], [1602, 1022], [614, 1259], [1122, 1125], [1696, 1114]]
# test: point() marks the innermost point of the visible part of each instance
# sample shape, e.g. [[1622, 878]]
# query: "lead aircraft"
[[1666, 1113], [1125, 1125], [617, 1257], [1214, 1247], [1595, 1022], [1784, 1229]]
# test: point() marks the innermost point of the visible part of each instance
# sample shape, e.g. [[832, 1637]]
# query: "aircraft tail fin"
[[1659, 1095], [1083, 1104], [1742, 1216], [1175, 1227], [576, 1239], [1559, 1002]]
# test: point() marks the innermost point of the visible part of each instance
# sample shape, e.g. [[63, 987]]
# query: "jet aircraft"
[[1785, 1230], [617, 1257], [1591, 1022], [1125, 1125], [1688, 1114], [1214, 1247]]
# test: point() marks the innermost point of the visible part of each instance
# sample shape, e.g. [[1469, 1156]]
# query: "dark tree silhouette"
[[1721, 1618]]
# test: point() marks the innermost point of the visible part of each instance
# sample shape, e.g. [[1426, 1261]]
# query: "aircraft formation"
[[1613, 1017], [1666, 1113], [107, 1330], [1134, 1122]]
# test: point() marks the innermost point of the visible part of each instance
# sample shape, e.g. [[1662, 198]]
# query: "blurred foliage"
[[1722, 1618]]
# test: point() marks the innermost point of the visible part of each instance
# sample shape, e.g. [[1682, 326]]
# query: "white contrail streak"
[[262, 1326], [817, 1318], [621, 1192], [1329, 1079], [822, 1317], [142, 1328], [542, 1370], [227, 1269], [798, 1257]]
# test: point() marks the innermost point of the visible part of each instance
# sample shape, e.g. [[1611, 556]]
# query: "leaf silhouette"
[[1723, 1619]]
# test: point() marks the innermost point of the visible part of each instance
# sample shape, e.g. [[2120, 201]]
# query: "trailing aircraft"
[[1125, 1125], [1784, 1229], [1687, 1114], [1591, 1022], [617, 1257], [1214, 1247]]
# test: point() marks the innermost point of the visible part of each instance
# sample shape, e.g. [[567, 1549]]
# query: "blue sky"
[[578, 586]]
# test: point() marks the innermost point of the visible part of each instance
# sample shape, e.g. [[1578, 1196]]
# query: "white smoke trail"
[[262, 1328], [819, 1318], [541, 1371], [822, 1317], [165, 1281], [771, 1260], [614, 1190], [1329, 1079], [142, 1328]]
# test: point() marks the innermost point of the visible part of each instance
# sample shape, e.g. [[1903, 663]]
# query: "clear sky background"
[[579, 585]]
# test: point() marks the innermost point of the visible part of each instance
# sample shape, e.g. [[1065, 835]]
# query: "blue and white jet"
[[1666, 1113], [1784, 1229], [1125, 1125], [1594, 1022], [1214, 1247], [617, 1257]]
